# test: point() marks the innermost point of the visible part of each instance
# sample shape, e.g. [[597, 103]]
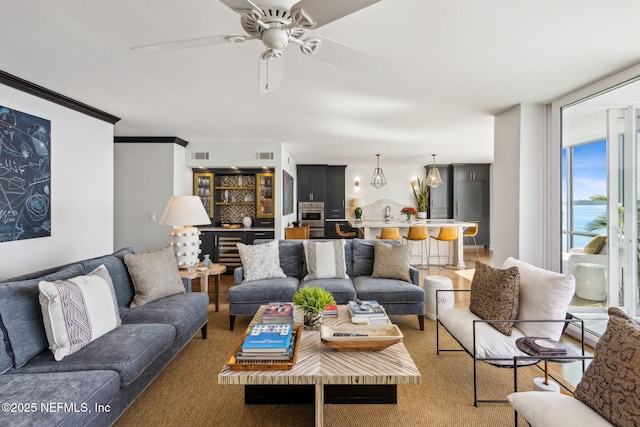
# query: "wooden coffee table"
[[319, 365]]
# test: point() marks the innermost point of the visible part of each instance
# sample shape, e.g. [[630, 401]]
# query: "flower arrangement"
[[409, 211]]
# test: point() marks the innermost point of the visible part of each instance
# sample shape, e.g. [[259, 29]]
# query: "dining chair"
[[344, 234], [472, 232], [389, 233], [418, 233], [446, 234]]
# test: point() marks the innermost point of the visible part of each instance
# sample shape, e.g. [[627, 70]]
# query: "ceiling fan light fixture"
[[378, 179], [433, 177]]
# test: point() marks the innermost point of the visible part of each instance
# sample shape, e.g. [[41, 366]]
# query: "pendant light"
[[433, 177], [378, 179]]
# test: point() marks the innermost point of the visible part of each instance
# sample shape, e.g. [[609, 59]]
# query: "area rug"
[[187, 392]]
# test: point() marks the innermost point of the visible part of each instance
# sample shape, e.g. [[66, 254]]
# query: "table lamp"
[[357, 205], [183, 212]]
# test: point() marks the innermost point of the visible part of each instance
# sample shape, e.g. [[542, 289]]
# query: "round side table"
[[444, 300]]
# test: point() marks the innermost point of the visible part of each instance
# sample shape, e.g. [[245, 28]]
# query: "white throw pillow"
[[261, 261], [325, 260], [78, 310], [548, 409], [544, 294]]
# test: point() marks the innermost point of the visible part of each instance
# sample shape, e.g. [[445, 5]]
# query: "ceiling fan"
[[278, 23]]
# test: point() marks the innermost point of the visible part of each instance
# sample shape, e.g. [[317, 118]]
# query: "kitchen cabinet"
[[312, 183], [203, 188], [441, 197], [265, 197], [471, 197], [334, 206]]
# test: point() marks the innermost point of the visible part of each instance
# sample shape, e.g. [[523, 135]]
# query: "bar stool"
[[472, 232], [418, 233], [446, 234], [389, 233]]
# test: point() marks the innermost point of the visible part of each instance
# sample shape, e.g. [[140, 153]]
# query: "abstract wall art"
[[25, 176]]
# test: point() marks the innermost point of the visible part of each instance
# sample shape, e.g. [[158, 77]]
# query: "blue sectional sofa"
[[96, 384], [397, 296]]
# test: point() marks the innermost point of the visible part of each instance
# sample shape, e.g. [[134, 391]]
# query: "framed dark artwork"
[[25, 176], [287, 193]]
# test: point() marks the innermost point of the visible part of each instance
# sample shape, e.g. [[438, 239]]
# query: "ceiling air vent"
[[265, 155], [200, 155]]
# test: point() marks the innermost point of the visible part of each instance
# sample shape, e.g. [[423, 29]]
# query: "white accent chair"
[[544, 298]]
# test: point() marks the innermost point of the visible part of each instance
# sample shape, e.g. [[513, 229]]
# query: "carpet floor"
[[187, 393]]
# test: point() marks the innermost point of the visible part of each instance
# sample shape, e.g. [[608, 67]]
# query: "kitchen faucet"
[[387, 213]]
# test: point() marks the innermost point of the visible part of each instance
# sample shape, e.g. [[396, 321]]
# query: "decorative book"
[[268, 338], [545, 346], [369, 308], [278, 312], [331, 310]]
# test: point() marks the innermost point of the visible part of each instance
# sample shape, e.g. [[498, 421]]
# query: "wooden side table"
[[203, 274]]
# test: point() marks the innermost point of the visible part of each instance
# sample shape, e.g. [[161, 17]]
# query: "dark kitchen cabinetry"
[[471, 197], [335, 202], [441, 197], [312, 183]]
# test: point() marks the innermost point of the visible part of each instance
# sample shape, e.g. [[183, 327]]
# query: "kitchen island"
[[369, 229]]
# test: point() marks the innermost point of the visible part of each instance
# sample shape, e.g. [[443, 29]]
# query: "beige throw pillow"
[[155, 275], [391, 261], [611, 384], [495, 295]]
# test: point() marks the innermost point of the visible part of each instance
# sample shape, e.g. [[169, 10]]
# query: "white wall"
[[282, 221], [146, 176], [518, 185], [398, 188], [81, 189]]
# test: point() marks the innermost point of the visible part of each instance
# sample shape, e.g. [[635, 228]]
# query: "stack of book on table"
[[367, 312], [267, 342], [545, 346], [330, 310], [279, 312]]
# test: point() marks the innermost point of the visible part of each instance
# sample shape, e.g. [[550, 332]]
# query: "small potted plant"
[[409, 211], [421, 194], [312, 300]]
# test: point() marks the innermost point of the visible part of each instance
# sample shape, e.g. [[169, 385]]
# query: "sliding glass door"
[[600, 208]]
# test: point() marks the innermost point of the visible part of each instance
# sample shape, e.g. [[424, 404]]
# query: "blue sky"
[[589, 169]]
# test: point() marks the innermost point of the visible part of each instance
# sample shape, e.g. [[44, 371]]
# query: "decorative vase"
[[246, 222], [312, 320], [409, 218], [206, 262], [358, 212], [422, 215]]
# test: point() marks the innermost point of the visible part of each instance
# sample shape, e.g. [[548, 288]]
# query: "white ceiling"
[[455, 64]]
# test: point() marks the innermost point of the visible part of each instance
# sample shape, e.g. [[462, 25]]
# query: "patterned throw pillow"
[[391, 261], [495, 295], [325, 260], [260, 261], [611, 384], [154, 275], [78, 310]]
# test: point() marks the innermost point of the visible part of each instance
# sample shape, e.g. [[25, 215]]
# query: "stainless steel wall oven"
[[312, 213]]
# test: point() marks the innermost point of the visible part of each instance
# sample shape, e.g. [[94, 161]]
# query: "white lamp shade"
[[185, 210]]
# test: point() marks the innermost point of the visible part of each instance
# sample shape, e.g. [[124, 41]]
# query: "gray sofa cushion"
[[83, 389], [119, 274], [21, 315], [264, 291], [180, 311], [6, 361], [388, 291], [341, 289], [128, 350]]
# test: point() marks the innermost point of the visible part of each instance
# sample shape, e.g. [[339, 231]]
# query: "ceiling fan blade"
[[323, 12], [346, 57], [236, 5], [187, 44], [271, 72]]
